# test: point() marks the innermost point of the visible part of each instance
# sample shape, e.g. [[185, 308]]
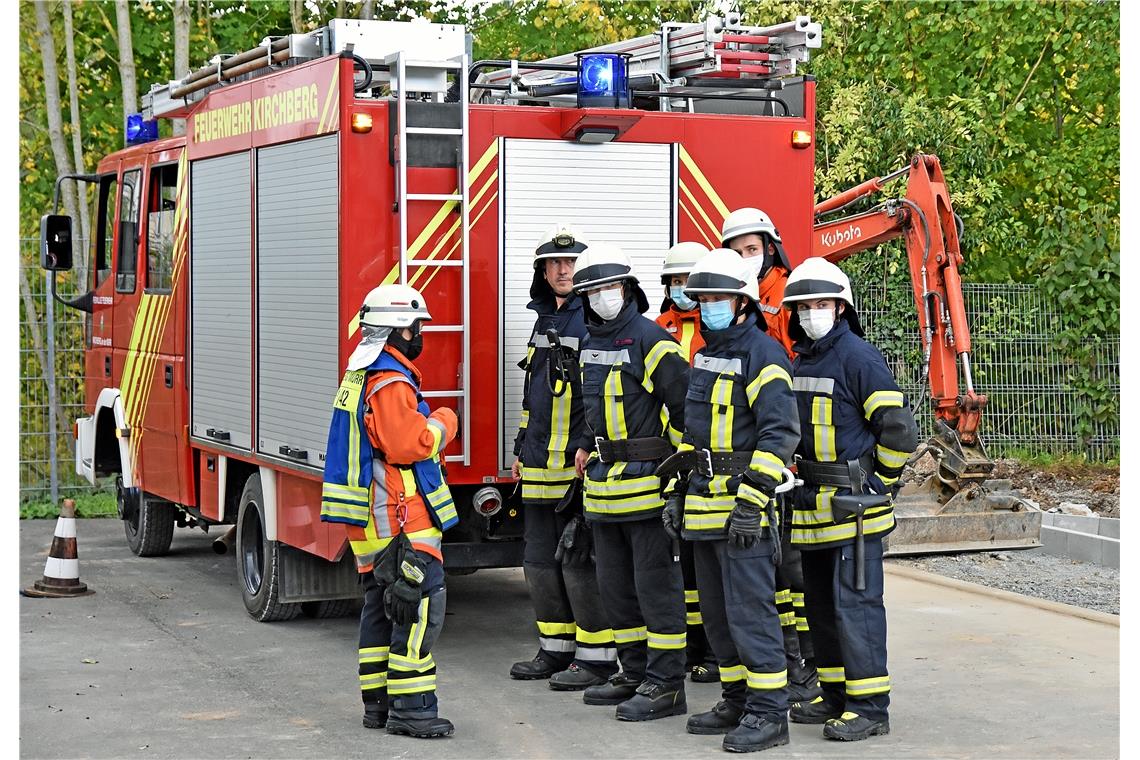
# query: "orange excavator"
[[958, 507]]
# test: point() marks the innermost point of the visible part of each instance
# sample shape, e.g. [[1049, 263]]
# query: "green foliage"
[[86, 505]]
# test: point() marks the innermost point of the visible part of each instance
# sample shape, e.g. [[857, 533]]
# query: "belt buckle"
[[708, 472], [598, 448]]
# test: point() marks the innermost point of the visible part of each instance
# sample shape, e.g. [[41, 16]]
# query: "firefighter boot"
[[819, 710], [375, 715], [575, 678], [652, 701], [803, 682], [531, 670], [705, 672], [756, 733], [852, 727], [617, 689], [719, 720], [421, 728]]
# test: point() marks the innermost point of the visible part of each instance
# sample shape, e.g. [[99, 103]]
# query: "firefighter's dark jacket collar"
[[547, 304], [814, 348], [721, 341], [616, 326]]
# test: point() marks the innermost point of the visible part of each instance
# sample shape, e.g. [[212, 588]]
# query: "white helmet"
[[561, 241], [393, 306], [600, 264], [722, 271], [819, 278], [681, 259], [746, 221]]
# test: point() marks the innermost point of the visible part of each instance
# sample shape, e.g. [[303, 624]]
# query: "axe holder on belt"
[[632, 449]]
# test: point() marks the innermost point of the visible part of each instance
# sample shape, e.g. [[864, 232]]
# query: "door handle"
[[107, 366], [168, 375]]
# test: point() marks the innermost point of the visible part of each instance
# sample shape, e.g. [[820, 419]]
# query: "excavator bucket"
[[958, 507]]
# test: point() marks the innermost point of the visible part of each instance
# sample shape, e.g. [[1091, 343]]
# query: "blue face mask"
[[717, 315], [677, 293]]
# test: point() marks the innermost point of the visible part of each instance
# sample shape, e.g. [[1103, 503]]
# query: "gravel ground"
[[1032, 573]]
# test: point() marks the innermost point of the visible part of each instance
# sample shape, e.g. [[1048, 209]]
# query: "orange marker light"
[[801, 138], [361, 122]]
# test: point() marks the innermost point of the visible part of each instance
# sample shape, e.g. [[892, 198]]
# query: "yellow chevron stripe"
[[699, 176], [696, 224], [333, 90], [715, 229], [420, 271], [478, 216]]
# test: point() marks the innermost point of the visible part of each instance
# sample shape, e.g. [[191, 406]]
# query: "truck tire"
[[150, 528], [329, 608], [259, 560]]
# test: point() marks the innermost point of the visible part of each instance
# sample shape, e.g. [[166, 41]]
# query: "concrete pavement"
[[163, 662]]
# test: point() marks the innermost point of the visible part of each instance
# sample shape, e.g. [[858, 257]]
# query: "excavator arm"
[[957, 507]]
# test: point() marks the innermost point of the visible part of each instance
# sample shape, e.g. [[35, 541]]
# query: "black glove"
[[576, 544], [402, 598], [673, 515], [744, 525]]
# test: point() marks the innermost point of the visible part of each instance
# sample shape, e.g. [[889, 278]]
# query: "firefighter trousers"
[[568, 609], [697, 650], [396, 666], [644, 598], [849, 627], [738, 603], [790, 604]]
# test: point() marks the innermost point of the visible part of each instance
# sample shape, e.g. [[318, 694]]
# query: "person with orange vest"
[[681, 318], [383, 480], [751, 233]]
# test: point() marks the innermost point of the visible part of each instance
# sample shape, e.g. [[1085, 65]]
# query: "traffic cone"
[[61, 574]]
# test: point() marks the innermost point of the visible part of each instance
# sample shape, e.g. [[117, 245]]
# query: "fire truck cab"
[[228, 265]]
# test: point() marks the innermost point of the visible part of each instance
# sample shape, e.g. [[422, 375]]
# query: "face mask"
[[677, 293], [607, 303], [717, 315], [409, 348], [756, 264], [817, 322]]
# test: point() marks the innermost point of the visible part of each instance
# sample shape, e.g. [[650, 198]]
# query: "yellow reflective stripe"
[[802, 624], [336, 509], [890, 457], [339, 491], [798, 598], [438, 434], [660, 350], [767, 463], [373, 654], [534, 491], [615, 409], [562, 475], [755, 496], [406, 663], [412, 685], [843, 531], [830, 675], [605, 636], [688, 330], [866, 686], [524, 419], [767, 375], [559, 428], [626, 487], [714, 503], [555, 629], [722, 411], [622, 506], [370, 681], [732, 674], [692, 596], [419, 628], [693, 618], [880, 399], [822, 430], [783, 597], [767, 681], [630, 635], [822, 516], [706, 522], [787, 619], [666, 640], [887, 481], [686, 447], [672, 433]]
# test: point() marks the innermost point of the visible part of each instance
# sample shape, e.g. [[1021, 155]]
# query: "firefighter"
[[751, 233], [857, 432], [383, 480], [741, 429], [576, 645], [633, 380], [681, 318]]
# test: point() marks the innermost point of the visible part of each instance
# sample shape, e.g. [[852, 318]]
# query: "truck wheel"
[[259, 560], [149, 527], [329, 608]]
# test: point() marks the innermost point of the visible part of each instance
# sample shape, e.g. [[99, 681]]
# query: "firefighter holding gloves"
[[751, 233], [383, 480], [858, 431], [576, 645], [632, 374], [741, 429]]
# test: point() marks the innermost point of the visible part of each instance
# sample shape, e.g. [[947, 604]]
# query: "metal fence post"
[[49, 375]]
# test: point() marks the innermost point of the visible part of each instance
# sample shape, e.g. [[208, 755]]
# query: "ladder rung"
[[442, 394], [433, 131], [435, 262], [442, 328], [434, 197]]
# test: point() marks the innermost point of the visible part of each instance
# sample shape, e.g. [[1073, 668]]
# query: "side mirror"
[[55, 242]]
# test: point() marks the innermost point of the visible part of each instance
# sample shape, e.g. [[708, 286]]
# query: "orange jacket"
[[685, 328], [402, 436], [772, 307]]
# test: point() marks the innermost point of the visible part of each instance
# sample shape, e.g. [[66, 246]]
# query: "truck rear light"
[[361, 122], [487, 501], [801, 138]]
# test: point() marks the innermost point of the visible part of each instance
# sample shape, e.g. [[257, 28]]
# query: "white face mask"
[[817, 322], [755, 264], [607, 303]]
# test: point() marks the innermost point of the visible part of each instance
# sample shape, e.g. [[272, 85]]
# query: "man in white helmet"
[[384, 482], [857, 432], [751, 233], [741, 430], [633, 379], [576, 645], [681, 318]]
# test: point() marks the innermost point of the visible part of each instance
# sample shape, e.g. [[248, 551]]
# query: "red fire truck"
[[228, 265]]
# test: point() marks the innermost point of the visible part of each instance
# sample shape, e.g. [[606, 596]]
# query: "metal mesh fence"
[[1016, 363]]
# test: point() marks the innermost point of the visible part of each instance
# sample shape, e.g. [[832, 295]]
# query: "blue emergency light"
[[603, 80], [140, 131]]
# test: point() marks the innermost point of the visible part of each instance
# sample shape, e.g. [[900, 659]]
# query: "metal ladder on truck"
[[408, 75]]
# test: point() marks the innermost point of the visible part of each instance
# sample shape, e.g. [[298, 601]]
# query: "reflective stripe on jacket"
[[739, 400], [850, 407], [633, 381]]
